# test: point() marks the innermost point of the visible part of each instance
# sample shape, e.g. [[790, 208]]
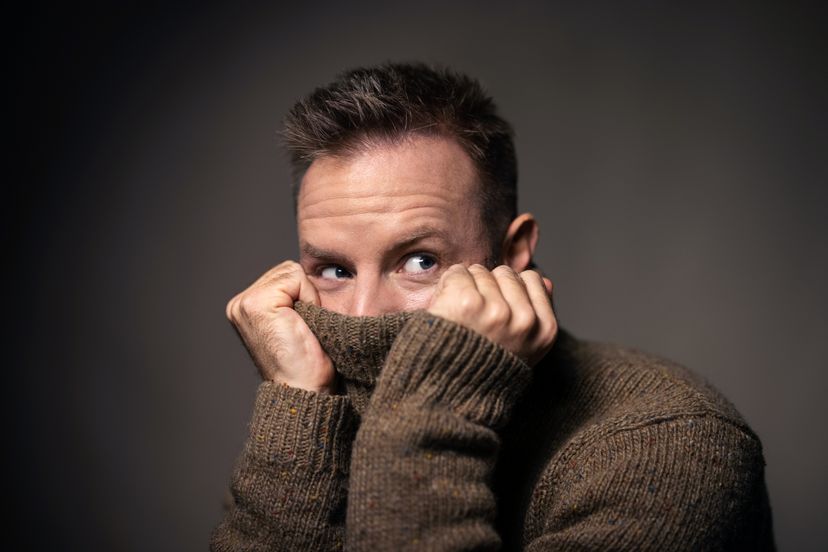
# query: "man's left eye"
[[419, 263]]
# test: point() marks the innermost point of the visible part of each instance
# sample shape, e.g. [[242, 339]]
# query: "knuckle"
[[285, 274], [504, 270], [284, 280], [287, 269], [295, 269], [498, 314], [524, 321], [249, 304], [549, 333], [229, 309], [470, 302], [531, 276]]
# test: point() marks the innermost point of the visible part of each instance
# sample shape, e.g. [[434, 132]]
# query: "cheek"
[[417, 299], [331, 301]]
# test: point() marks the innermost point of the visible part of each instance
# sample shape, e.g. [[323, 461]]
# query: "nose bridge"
[[371, 295]]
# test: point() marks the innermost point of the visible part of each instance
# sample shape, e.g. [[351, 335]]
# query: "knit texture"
[[446, 441]]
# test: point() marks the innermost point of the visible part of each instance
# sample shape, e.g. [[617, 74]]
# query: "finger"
[[547, 324], [457, 283], [540, 298], [456, 276], [290, 279], [514, 292], [284, 289], [549, 285], [233, 309], [547, 328], [285, 267], [487, 284], [230, 308], [307, 291]]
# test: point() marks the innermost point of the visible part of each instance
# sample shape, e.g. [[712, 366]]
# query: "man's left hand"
[[513, 310]]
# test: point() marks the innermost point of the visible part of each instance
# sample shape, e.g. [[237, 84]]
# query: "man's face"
[[378, 228]]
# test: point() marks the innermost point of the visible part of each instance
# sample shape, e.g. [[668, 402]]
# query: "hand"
[[280, 343], [513, 310]]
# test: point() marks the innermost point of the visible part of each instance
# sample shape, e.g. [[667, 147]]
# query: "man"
[[418, 392]]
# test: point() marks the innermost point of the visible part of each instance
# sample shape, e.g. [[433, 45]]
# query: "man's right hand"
[[280, 343]]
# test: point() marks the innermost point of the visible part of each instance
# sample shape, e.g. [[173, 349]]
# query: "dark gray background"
[[675, 158]]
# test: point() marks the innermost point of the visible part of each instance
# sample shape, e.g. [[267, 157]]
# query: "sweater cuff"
[[436, 361], [300, 429]]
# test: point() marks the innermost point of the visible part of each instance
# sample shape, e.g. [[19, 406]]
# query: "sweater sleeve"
[[690, 482], [289, 484], [424, 454]]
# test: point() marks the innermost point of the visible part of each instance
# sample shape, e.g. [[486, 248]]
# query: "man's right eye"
[[334, 273]]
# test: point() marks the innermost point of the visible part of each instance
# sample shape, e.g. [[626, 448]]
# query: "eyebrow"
[[419, 234], [318, 253], [409, 239]]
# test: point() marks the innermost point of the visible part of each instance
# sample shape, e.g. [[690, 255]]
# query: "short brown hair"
[[395, 100]]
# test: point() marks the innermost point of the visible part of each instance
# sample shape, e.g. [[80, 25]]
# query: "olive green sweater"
[[445, 441]]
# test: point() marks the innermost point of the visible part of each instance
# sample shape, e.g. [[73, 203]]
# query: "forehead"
[[370, 202], [417, 166]]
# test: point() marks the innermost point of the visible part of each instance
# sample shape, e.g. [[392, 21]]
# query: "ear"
[[519, 243]]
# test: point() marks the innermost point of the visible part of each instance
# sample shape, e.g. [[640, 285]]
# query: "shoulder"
[[633, 404], [632, 386], [652, 449]]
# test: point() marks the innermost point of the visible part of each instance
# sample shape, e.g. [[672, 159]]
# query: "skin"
[[394, 227]]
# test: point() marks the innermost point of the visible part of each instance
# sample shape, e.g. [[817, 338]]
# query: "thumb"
[[307, 291]]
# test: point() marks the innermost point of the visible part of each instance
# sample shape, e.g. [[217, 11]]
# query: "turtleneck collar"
[[357, 345]]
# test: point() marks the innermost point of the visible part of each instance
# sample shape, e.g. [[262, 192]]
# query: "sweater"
[[443, 440]]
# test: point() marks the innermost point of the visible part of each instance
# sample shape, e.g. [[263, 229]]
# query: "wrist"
[[437, 361], [294, 426], [324, 388]]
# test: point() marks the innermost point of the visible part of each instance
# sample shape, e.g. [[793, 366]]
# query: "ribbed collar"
[[357, 345]]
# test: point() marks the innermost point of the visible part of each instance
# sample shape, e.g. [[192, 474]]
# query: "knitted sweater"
[[442, 443]]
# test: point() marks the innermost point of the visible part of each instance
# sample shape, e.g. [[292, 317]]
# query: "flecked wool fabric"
[[445, 441]]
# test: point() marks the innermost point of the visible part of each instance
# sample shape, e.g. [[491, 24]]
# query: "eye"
[[419, 263], [334, 273]]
